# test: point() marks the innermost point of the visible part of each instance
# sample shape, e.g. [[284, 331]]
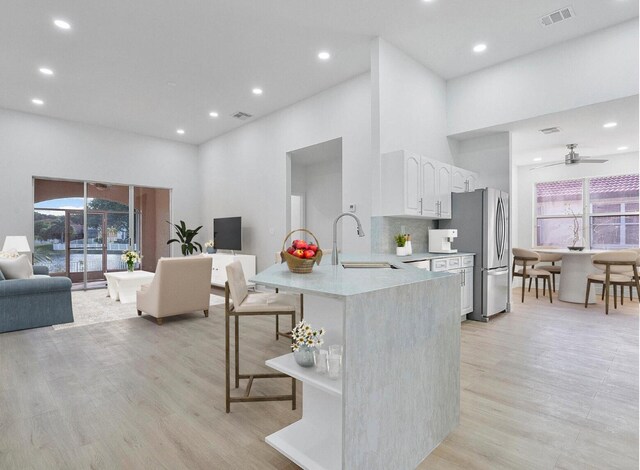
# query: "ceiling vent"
[[241, 115], [557, 16], [550, 130]]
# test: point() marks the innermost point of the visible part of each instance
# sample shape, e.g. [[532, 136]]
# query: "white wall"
[[595, 68], [32, 145], [244, 172], [489, 156], [618, 164], [409, 107], [321, 184]]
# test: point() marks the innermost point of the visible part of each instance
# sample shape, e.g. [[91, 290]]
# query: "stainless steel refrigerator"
[[482, 220]]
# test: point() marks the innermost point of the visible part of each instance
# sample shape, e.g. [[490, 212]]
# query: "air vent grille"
[[557, 16], [241, 115], [550, 130]]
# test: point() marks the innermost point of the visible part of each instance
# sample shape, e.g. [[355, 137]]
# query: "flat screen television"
[[227, 233]]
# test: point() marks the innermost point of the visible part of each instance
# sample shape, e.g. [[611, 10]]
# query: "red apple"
[[290, 250], [309, 254], [300, 245], [298, 253], [313, 247]]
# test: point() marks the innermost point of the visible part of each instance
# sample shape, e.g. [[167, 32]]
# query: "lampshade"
[[18, 243]]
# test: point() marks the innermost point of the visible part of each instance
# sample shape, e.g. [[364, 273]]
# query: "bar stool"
[[552, 258], [287, 334], [617, 265], [527, 260], [238, 302]]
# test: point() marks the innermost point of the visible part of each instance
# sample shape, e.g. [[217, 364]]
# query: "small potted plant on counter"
[[210, 246], [401, 241]]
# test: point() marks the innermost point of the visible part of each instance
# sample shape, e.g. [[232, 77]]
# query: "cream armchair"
[[180, 285]]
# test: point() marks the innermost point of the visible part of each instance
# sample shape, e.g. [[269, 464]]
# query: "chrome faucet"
[[334, 253]]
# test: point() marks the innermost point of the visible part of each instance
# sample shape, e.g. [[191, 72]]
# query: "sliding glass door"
[[82, 228]]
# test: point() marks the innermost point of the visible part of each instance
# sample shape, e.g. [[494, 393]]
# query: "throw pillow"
[[16, 268]]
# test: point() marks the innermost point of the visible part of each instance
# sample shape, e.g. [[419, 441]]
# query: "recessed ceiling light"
[[37, 101], [257, 91], [324, 55], [62, 24], [213, 114], [479, 48], [624, 147], [171, 83], [609, 125], [537, 159], [180, 131], [45, 71]]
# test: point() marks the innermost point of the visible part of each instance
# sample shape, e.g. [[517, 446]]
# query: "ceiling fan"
[[573, 158]]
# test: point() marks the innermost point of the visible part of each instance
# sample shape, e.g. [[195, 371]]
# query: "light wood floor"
[[547, 386]]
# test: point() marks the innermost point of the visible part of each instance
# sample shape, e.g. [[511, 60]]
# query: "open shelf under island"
[[399, 395]]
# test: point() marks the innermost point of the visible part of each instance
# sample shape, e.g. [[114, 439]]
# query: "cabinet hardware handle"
[[420, 206]]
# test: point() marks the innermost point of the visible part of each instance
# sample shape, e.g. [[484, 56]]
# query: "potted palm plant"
[[185, 238]]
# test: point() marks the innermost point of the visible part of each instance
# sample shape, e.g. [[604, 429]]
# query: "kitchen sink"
[[367, 265]]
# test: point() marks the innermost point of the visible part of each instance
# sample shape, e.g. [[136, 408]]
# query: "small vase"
[[401, 251], [305, 356], [130, 267], [211, 250]]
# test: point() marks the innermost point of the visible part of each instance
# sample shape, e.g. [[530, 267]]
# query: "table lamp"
[[18, 243]]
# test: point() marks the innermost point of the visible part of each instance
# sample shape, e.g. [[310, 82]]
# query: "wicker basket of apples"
[[301, 256]]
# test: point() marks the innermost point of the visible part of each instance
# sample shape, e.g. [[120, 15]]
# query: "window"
[[613, 212], [599, 212]]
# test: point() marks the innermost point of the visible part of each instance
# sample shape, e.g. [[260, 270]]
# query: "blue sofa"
[[36, 302]]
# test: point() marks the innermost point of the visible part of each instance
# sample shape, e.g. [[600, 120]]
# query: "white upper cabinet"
[[429, 184], [417, 186], [462, 180], [444, 191], [412, 184]]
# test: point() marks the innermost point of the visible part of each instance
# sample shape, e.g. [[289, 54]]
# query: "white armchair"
[[180, 285]]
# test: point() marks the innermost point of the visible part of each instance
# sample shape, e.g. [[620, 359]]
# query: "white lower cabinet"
[[463, 266], [219, 267], [467, 291]]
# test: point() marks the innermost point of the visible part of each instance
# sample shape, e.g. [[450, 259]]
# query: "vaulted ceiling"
[[154, 67]]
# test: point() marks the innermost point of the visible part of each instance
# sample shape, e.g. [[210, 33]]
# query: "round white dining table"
[[576, 266]]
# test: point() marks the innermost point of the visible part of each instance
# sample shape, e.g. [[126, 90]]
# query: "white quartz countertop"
[[336, 281], [424, 256]]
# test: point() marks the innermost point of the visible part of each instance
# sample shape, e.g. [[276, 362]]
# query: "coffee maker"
[[440, 240]]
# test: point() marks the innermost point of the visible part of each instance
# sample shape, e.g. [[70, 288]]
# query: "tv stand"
[[220, 262]]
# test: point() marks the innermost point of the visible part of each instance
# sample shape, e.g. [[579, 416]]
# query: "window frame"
[[586, 207]]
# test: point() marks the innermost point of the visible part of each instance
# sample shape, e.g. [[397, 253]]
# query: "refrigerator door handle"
[[497, 233], [500, 228]]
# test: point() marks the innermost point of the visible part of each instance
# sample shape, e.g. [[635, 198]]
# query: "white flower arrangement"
[[209, 244], [130, 256], [304, 335]]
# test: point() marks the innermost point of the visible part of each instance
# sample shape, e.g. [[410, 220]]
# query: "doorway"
[[82, 228], [315, 189]]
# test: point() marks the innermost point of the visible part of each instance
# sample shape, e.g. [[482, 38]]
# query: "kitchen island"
[[399, 394]]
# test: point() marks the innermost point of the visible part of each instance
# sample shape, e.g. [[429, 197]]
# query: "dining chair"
[[552, 258], [526, 260], [632, 278], [617, 265], [239, 302]]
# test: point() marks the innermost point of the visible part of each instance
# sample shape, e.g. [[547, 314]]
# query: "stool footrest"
[[267, 398]]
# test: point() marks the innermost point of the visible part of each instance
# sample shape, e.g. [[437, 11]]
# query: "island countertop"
[[336, 281]]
